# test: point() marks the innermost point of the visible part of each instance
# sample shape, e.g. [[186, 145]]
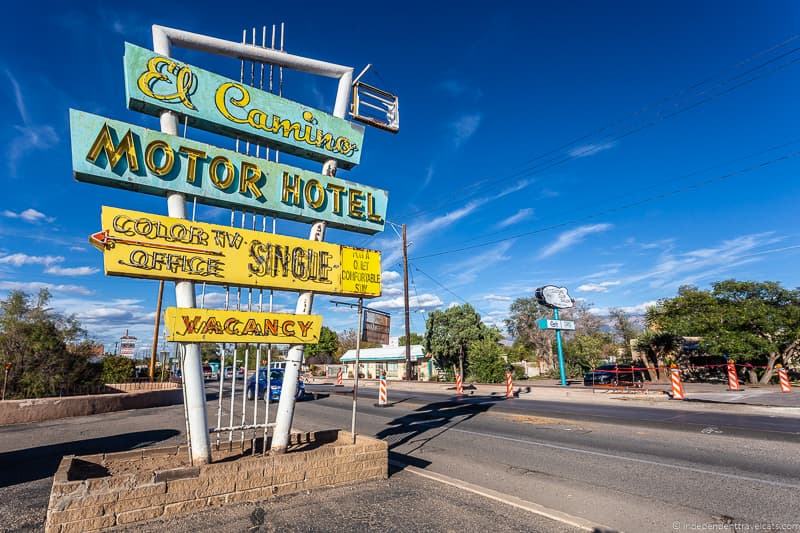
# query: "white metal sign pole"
[[283, 420], [192, 377]]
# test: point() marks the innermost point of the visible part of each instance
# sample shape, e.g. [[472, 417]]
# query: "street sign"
[[215, 326], [142, 245], [546, 323], [554, 297], [127, 345], [118, 154], [376, 326], [155, 83]]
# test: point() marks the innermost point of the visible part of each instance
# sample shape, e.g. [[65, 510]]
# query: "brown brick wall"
[[315, 460]]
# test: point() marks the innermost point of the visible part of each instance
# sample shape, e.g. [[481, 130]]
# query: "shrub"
[[117, 369]]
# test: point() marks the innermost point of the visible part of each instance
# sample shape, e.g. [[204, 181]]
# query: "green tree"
[[486, 362], [755, 322], [521, 325], [117, 369], [449, 333], [625, 330], [48, 352], [326, 349], [589, 350], [416, 338], [347, 341], [658, 348]]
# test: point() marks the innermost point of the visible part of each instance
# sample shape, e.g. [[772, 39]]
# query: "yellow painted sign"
[[213, 325], [142, 245]]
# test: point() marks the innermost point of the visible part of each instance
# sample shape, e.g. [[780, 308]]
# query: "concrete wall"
[[39, 409], [86, 498]]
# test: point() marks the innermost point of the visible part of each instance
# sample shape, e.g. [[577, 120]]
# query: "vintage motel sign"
[[117, 154], [376, 326], [155, 83], [547, 323], [215, 326], [142, 245]]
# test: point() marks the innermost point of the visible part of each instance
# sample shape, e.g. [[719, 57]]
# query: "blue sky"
[[621, 149]]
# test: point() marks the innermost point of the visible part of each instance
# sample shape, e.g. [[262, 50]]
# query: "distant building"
[[392, 360]]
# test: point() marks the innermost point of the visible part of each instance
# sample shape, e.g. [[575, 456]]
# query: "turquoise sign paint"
[[154, 83], [117, 154]]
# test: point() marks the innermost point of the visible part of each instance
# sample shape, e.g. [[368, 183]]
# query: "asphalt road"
[[631, 467]]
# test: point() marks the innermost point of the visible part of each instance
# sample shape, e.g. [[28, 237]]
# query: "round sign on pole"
[[554, 297]]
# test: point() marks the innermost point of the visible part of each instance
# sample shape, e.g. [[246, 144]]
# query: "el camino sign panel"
[[117, 154], [214, 325], [154, 83], [142, 245]]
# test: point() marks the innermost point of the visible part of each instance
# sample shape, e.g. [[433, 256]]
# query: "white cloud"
[[29, 215], [467, 271], [497, 298], [71, 271], [519, 216], [598, 287], [31, 136], [428, 177], [572, 237], [591, 149], [673, 270], [637, 309], [423, 301], [34, 286], [464, 127], [390, 275], [19, 259]]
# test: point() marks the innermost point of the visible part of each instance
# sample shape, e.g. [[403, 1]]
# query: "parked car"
[[273, 392], [208, 372], [613, 375]]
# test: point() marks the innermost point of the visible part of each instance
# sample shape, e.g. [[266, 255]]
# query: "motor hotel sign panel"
[[117, 154], [154, 83], [142, 245]]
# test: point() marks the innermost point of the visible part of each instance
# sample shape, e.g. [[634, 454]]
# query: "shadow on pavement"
[[428, 422], [30, 464]]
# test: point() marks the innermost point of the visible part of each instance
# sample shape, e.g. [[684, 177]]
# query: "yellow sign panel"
[[213, 325], [142, 245]]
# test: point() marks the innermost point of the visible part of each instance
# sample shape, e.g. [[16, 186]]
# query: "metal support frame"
[[164, 39]]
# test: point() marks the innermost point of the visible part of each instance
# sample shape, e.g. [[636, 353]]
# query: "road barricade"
[[339, 382], [783, 378], [733, 377], [459, 385], [509, 385], [383, 395], [677, 385]]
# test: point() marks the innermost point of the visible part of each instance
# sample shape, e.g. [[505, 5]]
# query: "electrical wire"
[[622, 207]]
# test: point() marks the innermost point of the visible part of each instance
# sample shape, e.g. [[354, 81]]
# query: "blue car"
[[273, 392]]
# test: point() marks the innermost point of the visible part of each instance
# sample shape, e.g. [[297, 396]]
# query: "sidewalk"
[[550, 389]]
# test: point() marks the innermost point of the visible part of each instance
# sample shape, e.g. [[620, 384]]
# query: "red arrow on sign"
[[99, 240]]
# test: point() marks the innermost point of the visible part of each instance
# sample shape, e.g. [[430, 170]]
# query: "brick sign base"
[[105, 490]]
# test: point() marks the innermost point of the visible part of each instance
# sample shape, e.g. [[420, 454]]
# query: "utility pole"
[[154, 351], [405, 300]]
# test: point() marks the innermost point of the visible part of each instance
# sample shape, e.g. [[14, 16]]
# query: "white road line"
[[507, 499], [630, 459]]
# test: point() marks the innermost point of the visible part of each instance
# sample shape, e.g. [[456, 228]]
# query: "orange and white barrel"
[[509, 385], [783, 378], [733, 378], [459, 385], [677, 385], [339, 377], [383, 399]]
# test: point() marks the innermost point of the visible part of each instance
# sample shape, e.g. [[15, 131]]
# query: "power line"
[[617, 208], [560, 159], [447, 289], [672, 180]]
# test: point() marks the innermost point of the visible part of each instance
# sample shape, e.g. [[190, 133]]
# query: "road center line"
[[630, 459], [507, 499]]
